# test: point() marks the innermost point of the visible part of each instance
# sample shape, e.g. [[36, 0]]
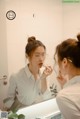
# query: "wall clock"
[[10, 15]]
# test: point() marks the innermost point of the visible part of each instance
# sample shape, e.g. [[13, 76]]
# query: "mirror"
[[48, 20]]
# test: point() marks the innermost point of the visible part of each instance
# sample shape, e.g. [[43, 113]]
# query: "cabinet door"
[[3, 53]]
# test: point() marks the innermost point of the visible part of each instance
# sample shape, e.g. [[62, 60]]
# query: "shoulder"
[[64, 99], [64, 94], [16, 76], [70, 93]]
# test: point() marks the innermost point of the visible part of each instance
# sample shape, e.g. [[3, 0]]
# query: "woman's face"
[[62, 65], [37, 58]]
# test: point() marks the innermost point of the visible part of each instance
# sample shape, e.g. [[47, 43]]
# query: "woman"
[[67, 56], [29, 84]]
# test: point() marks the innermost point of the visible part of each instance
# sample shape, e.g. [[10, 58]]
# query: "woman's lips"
[[40, 64]]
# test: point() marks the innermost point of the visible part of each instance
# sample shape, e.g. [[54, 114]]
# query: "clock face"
[[10, 15]]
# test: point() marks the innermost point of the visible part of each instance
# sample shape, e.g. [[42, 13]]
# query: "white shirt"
[[25, 87], [68, 99]]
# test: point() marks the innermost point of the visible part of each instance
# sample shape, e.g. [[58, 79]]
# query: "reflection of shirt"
[[68, 99], [24, 86]]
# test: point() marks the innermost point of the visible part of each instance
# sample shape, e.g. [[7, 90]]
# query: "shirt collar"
[[29, 74], [73, 81]]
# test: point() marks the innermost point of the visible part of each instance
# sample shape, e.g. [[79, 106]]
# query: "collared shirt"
[[68, 99], [24, 87]]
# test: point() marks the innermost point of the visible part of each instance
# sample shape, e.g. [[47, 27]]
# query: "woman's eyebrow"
[[39, 52]]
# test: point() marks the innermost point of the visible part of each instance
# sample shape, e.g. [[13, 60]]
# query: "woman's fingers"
[[48, 70], [62, 80]]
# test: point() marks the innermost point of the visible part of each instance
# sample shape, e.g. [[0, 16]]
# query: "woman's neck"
[[34, 71], [74, 72]]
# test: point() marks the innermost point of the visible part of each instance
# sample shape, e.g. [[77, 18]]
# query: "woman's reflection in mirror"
[[29, 84]]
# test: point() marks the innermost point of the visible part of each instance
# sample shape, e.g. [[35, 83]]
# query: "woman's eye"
[[37, 55], [43, 55]]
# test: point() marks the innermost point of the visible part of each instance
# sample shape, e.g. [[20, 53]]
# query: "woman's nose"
[[41, 57]]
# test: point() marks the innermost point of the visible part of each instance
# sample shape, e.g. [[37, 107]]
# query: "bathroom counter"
[[42, 110]]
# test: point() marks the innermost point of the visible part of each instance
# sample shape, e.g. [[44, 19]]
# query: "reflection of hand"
[[48, 70], [62, 80]]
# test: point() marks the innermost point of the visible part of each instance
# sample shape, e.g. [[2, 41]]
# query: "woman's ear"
[[27, 57], [64, 62]]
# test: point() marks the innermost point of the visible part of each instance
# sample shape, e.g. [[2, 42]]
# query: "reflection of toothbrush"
[[44, 65]]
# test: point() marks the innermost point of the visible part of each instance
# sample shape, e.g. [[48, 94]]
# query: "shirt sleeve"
[[11, 92], [67, 107], [46, 94], [43, 84]]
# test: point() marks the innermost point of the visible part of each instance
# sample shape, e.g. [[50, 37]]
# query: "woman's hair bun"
[[78, 37], [31, 39]]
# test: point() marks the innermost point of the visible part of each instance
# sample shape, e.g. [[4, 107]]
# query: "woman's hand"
[[62, 80], [48, 70]]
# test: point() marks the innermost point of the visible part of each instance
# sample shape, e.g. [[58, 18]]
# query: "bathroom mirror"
[[50, 21]]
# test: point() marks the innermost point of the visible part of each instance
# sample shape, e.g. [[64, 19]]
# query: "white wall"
[[46, 25], [71, 19]]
